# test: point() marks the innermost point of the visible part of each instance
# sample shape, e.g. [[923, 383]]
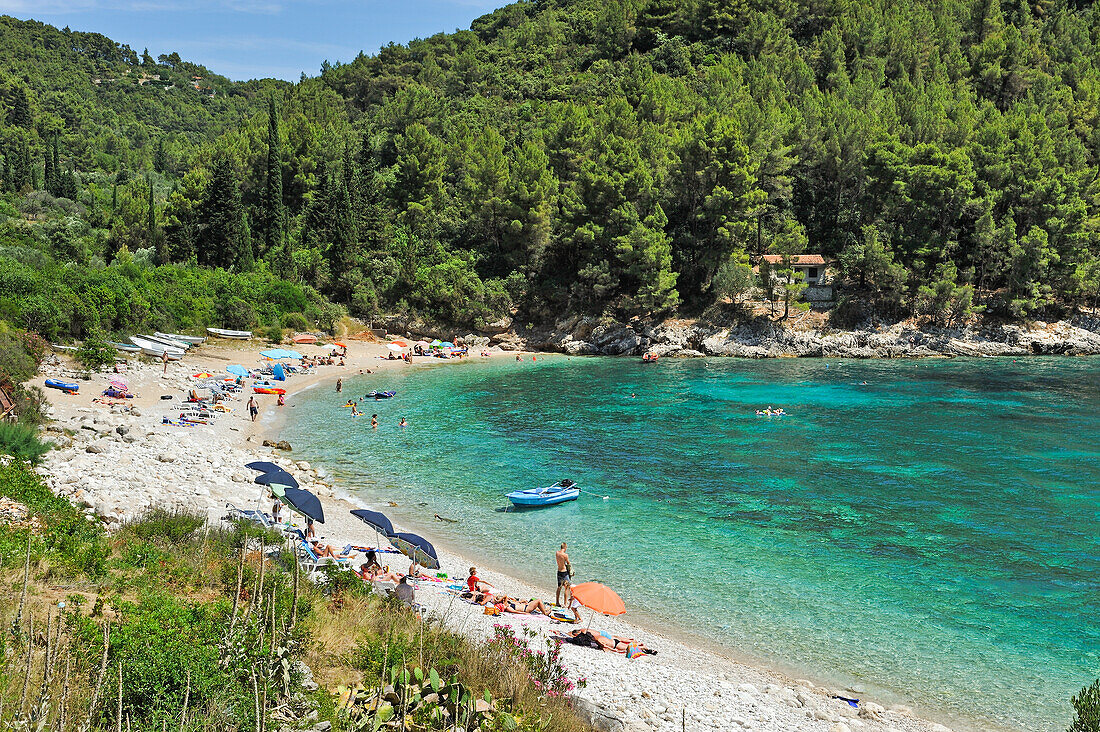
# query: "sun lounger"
[[312, 564], [248, 514]]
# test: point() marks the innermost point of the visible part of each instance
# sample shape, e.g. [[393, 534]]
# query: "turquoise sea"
[[932, 534]]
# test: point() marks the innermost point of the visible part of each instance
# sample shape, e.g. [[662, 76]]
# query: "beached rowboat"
[[268, 390], [155, 349], [304, 338], [560, 492], [124, 348], [170, 342], [240, 335], [193, 340]]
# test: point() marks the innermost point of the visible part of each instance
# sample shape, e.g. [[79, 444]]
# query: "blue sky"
[[245, 39]]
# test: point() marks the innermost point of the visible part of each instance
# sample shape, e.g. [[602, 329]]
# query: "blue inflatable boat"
[[62, 385], [560, 492]]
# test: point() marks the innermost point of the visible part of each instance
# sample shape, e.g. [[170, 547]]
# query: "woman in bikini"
[[507, 605], [610, 642]]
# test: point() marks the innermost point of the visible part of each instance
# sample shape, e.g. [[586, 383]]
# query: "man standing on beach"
[[164, 360], [253, 410], [565, 571]]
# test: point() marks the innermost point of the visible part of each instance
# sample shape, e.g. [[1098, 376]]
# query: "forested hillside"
[[628, 158]]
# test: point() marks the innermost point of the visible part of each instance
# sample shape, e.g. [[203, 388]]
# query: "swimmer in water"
[[632, 395], [374, 421], [402, 423]]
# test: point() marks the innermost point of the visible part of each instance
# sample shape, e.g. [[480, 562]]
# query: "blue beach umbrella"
[[375, 520], [304, 503], [416, 548], [279, 476], [240, 371]]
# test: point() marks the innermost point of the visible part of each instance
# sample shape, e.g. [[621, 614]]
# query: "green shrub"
[[236, 314], [71, 537], [1086, 709], [142, 555], [168, 648], [173, 526], [295, 321], [21, 442], [273, 334], [95, 352]]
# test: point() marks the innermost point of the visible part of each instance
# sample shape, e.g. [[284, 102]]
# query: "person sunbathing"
[[327, 550], [375, 574], [609, 642], [508, 605]]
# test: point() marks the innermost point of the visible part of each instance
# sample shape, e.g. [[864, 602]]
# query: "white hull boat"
[[193, 340], [240, 335], [180, 345], [152, 348]]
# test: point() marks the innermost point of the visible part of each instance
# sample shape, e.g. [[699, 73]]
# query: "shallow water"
[[933, 535]]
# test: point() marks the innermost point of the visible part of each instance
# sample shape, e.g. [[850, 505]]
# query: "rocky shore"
[[763, 338]]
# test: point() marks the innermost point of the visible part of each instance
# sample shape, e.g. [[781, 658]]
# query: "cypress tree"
[[67, 187], [50, 168], [160, 156], [273, 215]]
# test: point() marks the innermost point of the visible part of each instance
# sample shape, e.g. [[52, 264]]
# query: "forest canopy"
[[623, 158]]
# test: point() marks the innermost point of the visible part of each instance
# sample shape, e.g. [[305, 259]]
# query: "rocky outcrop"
[[762, 338]]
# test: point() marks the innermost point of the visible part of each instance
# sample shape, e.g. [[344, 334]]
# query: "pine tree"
[[220, 242], [343, 247], [20, 113], [19, 164]]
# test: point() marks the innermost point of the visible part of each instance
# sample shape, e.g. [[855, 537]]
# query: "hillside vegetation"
[[623, 158]]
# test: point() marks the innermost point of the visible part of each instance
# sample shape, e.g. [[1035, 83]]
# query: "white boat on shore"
[[240, 335], [157, 350], [171, 343], [193, 340], [124, 347]]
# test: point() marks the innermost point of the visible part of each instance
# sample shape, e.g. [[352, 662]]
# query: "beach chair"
[[247, 514], [311, 563]]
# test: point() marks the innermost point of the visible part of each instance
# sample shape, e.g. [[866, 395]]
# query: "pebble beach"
[[117, 460]]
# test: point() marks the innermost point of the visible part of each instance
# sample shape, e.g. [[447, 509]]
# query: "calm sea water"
[[932, 534]]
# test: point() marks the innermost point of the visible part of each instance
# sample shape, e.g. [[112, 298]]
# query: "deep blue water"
[[933, 535]]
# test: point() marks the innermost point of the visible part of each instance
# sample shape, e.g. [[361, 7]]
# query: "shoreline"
[[736, 692], [807, 336]]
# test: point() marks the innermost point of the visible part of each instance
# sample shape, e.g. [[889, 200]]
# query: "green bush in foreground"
[[95, 352], [1086, 709], [21, 442]]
